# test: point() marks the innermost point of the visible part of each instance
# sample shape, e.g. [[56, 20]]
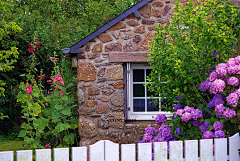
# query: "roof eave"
[[134, 9]]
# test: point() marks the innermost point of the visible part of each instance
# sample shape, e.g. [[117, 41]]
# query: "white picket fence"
[[106, 150]]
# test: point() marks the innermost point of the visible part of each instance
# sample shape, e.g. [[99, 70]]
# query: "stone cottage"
[[111, 70]]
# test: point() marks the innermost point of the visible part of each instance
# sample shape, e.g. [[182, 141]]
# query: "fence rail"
[[105, 150]]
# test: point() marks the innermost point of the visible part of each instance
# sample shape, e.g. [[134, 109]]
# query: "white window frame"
[[131, 115]]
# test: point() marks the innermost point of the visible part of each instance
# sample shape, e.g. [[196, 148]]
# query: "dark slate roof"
[[134, 9]]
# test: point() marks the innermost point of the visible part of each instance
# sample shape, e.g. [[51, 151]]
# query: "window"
[[140, 106]]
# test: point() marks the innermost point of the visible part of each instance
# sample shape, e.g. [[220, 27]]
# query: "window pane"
[[138, 75], [151, 93], [138, 105], [138, 90], [151, 106], [148, 71]]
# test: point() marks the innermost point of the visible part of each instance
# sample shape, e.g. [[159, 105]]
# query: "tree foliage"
[[56, 24], [197, 39]]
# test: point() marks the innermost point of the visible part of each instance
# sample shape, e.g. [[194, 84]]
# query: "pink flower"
[[48, 81], [57, 86], [63, 94], [30, 48], [37, 77], [55, 80], [28, 89], [37, 43], [46, 104], [51, 58], [61, 81], [62, 90], [43, 76], [59, 77], [47, 146]]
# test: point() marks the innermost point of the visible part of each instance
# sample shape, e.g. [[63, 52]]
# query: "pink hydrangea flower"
[[62, 90], [237, 60], [221, 69], [220, 109], [229, 113], [217, 86], [231, 70], [213, 76], [232, 99], [233, 81], [186, 117], [188, 109], [231, 62]]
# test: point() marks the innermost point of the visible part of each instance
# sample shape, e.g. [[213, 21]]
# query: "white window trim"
[[138, 115]]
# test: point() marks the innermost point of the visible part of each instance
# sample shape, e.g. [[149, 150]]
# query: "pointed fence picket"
[[105, 150]]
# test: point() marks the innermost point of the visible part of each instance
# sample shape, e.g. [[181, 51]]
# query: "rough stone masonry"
[[101, 85]]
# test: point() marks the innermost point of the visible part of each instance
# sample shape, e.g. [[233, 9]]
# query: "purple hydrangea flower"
[[179, 112], [165, 132], [177, 106], [217, 96], [229, 113], [196, 123], [186, 117], [161, 118], [141, 141], [150, 130], [218, 101], [204, 127], [217, 86], [232, 99], [208, 135], [210, 104], [217, 126], [221, 70], [188, 109], [204, 86], [164, 128], [237, 60], [233, 81], [219, 134], [220, 109], [147, 138], [213, 76], [231, 70], [178, 131], [196, 113]]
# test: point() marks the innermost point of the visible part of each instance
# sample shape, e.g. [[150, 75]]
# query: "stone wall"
[[101, 86]]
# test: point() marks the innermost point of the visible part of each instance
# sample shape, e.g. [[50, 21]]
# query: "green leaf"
[[67, 111], [22, 133], [40, 123], [58, 107], [36, 109]]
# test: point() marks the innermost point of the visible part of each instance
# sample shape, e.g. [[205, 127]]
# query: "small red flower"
[[30, 48], [37, 77], [43, 76]]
